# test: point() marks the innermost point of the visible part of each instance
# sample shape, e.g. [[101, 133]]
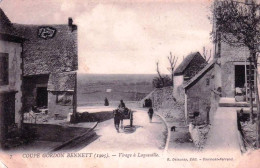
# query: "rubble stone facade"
[[31, 55]]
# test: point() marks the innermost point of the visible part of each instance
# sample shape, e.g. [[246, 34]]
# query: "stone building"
[[225, 76], [229, 79], [188, 68], [38, 66], [198, 95], [234, 68], [49, 65], [10, 74]]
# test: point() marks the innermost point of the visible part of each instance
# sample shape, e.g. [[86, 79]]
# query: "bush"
[[157, 82]]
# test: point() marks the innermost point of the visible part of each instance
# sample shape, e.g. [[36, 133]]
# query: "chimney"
[[72, 27], [70, 22]]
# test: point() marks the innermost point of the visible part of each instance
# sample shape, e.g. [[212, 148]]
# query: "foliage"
[[164, 81], [238, 23]]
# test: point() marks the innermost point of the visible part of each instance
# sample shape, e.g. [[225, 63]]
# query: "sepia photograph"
[[129, 83]]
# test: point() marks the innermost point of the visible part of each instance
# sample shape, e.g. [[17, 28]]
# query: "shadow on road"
[[81, 143], [95, 117], [128, 129], [156, 122]]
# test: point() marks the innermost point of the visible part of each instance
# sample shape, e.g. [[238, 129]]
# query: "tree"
[[238, 24], [164, 81], [159, 73], [157, 82], [172, 61]]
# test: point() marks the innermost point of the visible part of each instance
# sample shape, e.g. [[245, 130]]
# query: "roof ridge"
[[4, 16], [6, 26], [185, 63], [201, 72]]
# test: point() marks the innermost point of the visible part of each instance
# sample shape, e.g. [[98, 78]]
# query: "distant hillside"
[[129, 87]]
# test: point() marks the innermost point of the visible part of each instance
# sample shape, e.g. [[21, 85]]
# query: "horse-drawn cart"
[[121, 114]]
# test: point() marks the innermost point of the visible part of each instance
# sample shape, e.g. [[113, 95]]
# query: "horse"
[[119, 115]]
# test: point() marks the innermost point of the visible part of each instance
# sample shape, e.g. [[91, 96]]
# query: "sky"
[[124, 37]]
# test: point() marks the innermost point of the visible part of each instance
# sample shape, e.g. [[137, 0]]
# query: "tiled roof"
[[185, 63], [51, 55], [200, 73], [6, 27], [62, 81], [5, 24]]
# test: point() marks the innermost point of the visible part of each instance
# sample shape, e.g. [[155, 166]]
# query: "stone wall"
[[178, 80], [55, 108], [167, 98], [169, 103], [229, 56], [199, 97], [14, 68], [30, 96], [53, 55], [30, 87]]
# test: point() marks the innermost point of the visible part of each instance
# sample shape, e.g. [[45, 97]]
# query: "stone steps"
[[231, 102]]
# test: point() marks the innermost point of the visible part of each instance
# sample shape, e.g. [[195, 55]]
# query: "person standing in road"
[[106, 102], [122, 104], [117, 117], [150, 113]]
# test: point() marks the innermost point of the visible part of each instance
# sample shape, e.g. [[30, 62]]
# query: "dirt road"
[[144, 135]]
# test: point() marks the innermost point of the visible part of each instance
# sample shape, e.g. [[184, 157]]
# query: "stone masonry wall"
[[168, 103], [199, 97], [230, 55], [29, 91], [54, 108]]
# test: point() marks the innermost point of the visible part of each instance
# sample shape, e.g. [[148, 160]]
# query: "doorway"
[[239, 76], [42, 97], [242, 81]]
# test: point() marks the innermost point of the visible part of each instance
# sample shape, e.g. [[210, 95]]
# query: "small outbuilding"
[[198, 95], [189, 67]]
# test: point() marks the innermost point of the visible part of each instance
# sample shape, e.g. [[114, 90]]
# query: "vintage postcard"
[[129, 83]]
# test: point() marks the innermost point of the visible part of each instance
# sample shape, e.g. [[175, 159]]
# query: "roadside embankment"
[[169, 104]]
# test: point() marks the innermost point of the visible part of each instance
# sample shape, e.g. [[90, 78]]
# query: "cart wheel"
[[131, 119]]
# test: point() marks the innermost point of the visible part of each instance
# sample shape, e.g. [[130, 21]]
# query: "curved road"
[[145, 136]]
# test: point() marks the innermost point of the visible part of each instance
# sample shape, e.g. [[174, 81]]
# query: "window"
[[207, 81], [4, 69], [64, 98]]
